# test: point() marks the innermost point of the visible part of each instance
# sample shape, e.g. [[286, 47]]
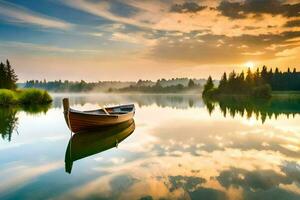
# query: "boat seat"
[[97, 112], [117, 110], [105, 111]]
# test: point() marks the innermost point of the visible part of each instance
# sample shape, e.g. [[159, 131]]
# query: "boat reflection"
[[85, 144]]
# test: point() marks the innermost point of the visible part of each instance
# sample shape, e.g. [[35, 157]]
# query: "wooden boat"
[[79, 121], [85, 144]]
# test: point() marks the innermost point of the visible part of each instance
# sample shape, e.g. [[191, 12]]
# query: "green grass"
[[8, 97], [24, 97]]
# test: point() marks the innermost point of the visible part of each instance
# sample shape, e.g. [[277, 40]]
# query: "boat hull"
[[81, 121]]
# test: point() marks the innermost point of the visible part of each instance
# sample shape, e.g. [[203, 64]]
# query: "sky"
[[126, 40]]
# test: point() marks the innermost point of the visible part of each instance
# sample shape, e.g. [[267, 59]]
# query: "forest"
[[173, 85], [158, 88], [74, 86], [256, 84]]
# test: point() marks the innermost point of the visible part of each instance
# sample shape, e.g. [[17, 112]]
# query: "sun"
[[249, 64]]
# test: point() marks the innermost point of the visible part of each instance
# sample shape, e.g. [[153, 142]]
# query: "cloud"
[[208, 193], [135, 38], [47, 48], [256, 53], [292, 170], [256, 180], [196, 34], [189, 183], [239, 10], [230, 9], [293, 23], [24, 174], [113, 27], [292, 52], [222, 49], [259, 183], [161, 15], [187, 7], [103, 9], [16, 14]]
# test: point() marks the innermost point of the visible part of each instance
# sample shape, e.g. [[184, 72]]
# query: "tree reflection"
[[8, 122], [182, 101], [210, 105], [259, 108], [9, 119]]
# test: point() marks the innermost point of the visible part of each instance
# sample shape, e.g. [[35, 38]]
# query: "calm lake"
[[178, 147]]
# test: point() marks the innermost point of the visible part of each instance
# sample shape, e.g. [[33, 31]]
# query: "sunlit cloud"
[[186, 17], [136, 38], [257, 53]]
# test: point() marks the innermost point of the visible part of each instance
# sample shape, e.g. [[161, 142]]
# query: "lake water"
[[180, 148]]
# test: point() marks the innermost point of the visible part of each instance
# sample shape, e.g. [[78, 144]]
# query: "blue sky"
[[133, 39]]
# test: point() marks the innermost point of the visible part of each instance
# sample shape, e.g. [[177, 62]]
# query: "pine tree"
[[232, 80], [249, 78], [2, 75], [264, 74], [12, 78], [209, 85], [256, 77], [223, 81], [8, 77], [191, 83], [241, 77]]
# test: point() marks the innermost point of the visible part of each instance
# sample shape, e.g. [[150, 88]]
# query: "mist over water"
[[180, 148]]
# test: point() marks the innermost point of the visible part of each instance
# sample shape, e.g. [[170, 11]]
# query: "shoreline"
[[24, 97]]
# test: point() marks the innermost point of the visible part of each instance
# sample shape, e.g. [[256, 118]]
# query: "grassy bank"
[[24, 97]]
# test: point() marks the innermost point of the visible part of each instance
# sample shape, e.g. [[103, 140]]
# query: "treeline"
[[75, 86], [8, 77], [282, 81], [257, 84], [158, 88], [147, 86], [179, 81], [251, 84], [60, 85], [170, 82]]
